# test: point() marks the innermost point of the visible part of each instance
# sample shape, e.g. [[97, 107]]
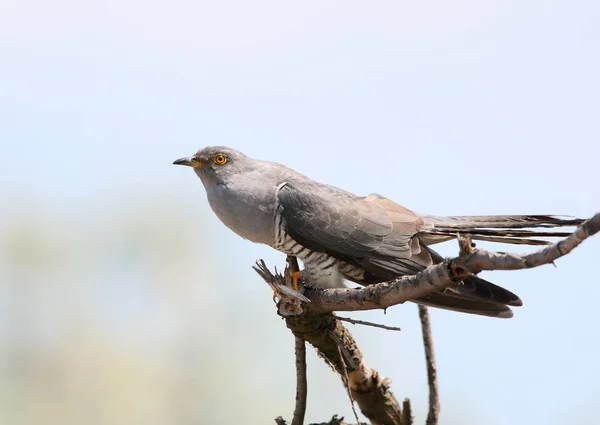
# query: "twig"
[[346, 382], [301, 383], [365, 323], [434, 402], [347, 356]]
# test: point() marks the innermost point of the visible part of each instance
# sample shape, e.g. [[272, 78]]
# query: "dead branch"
[[301, 384], [434, 402], [300, 351], [365, 323], [345, 378]]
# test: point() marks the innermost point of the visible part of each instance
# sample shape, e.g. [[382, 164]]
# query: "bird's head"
[[215, 164]]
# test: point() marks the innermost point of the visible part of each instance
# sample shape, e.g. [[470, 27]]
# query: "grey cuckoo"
[[340, 236]]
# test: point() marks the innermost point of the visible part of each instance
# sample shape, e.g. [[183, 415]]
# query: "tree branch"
[[437, 277], [434, 402], [345, 379], [300, 351], [301, 384]]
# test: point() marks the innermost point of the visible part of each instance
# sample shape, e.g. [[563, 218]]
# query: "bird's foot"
[[296, 276], [280, 289]]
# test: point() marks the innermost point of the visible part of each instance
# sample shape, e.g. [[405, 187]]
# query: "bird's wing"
[[380, 237], [370, 232]]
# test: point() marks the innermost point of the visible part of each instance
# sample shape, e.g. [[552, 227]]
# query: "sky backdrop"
[[123, 299]]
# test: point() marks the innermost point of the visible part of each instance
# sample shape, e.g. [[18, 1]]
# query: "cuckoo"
[[363, 239]]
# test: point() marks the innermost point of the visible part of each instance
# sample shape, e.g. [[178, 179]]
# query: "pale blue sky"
[[463, 107]]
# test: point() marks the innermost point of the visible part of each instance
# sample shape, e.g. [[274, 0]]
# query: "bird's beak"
[[190, 162]]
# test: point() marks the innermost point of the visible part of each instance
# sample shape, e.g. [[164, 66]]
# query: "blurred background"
[[123, 300]]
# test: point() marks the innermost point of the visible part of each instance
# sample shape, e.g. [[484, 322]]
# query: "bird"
[[340, 236]]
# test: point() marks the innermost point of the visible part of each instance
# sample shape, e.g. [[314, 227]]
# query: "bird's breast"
[[248, 214]]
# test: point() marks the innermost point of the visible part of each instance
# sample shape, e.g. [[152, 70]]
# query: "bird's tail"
[[512, 229]]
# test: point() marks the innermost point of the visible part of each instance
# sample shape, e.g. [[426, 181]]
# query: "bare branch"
[[301, 384], [439, 276], [434, 401], [365, 323], [345, 379]]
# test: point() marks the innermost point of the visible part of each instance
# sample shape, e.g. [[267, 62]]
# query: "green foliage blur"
[[117, 315]]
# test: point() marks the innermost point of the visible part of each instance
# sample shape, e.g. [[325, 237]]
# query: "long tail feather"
[[463, 305], [503, 221], [501, 228]]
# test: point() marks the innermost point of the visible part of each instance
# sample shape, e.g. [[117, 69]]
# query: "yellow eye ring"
[[219, 159]]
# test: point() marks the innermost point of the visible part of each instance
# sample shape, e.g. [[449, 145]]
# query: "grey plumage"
[[339, 235]]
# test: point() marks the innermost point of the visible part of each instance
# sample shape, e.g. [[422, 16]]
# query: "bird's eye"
[[219, 159]]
